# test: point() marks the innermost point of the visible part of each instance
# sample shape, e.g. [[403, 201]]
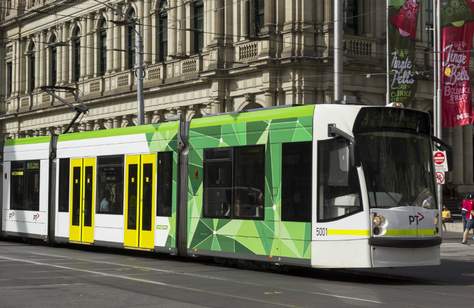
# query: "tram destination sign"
[[440, 161]]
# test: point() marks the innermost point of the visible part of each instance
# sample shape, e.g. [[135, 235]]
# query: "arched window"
[[198, 26], [259, 12], [76, 54], [162, 31], [31, 67], [131, 38], [53, 56], [102, 45]]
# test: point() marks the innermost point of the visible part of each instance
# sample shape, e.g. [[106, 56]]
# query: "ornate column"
[[96, 49], [44, 65], [91, 47], [65, 54], [110, 40], [117, 44], [269, 16], [83, 51], [188, 18], [207, 22], [219, 20], [59, 55], [236, 22], [228, 25], [42, 73], [16, 68], [244, 19], [140, 24], [123, 46], [172, 28], [180, 25], [154, 31], [37, 40], [147, 30], [117, 55]]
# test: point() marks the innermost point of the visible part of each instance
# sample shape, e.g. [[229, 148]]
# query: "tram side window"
[[110, 184], [63, 186], [338, 188], [25, 185], [296, 181], [249, 181], [164, 184], [234, 180], [218, 182]]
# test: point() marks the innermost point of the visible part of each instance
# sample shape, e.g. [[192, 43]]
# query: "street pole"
[[437, 87], [338, 34], [139, 74]]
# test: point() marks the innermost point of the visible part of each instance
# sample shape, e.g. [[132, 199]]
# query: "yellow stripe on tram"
[[348, 232], [409, 232]]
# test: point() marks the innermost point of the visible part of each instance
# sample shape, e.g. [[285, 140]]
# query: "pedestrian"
[[446, 217], [468, 206]]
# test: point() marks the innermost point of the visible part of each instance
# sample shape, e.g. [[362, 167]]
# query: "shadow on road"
[[450, 272]]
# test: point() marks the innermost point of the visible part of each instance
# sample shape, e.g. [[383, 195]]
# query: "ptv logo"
[[415, 218]]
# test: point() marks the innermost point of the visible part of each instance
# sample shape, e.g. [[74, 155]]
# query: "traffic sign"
[[440, 161], [440, 179]]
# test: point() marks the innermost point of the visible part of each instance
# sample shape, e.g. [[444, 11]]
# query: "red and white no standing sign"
[[440, 161]]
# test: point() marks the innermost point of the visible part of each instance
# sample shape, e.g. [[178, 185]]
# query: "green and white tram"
[[333, 186]]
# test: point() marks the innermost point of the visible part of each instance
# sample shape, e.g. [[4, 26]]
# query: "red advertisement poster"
[[456, 92]]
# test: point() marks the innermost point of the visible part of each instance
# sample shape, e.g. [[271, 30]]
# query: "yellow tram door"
[[82, 200], [140, 193]]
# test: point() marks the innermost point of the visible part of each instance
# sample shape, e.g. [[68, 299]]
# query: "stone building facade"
[[200, 56]]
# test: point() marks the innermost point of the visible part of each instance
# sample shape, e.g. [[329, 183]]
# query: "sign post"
[[441, 166]]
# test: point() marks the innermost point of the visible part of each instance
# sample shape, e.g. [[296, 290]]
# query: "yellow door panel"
[[88, 207], [75, 200], [147, 201], [132, 193]]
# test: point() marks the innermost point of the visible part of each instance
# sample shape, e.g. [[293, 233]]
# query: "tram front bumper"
[[402, 252]]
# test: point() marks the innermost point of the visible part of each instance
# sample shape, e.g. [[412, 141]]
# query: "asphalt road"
[[69, 276]]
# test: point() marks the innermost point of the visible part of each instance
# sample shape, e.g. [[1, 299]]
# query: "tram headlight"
[[378, 220], [378, 224]]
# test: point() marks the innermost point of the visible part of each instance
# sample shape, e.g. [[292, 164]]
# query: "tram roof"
[[123, 131], [264, 114], [28, 140]]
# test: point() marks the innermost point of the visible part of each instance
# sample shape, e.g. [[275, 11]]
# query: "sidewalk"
[[454, 232]]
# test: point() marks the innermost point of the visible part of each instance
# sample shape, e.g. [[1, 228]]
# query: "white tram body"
[[369, 201], [30, 220]]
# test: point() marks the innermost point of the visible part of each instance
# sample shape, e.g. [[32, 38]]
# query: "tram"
[[327, 186]]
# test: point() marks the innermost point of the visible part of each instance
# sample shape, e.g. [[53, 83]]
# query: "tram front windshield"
[[394, 148]]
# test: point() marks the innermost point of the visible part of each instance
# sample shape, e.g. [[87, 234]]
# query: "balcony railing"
[[358, 46]]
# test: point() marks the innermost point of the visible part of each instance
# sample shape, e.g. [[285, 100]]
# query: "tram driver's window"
[[25, 185], [338, 183], [110, 184]]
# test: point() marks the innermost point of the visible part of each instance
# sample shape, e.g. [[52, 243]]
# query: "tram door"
[[140, 192], [82, 200]]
